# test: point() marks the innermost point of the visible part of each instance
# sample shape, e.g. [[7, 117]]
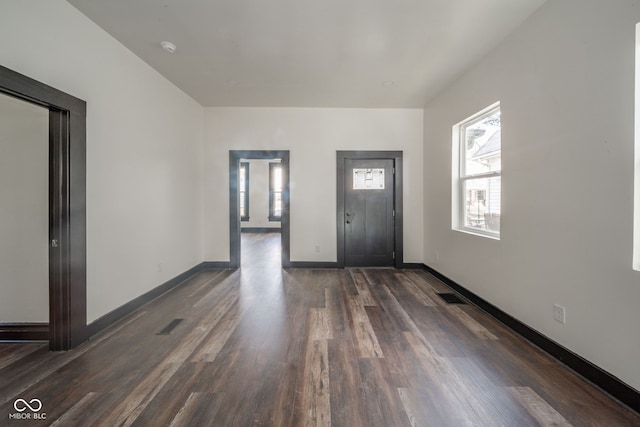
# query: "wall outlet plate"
[[559, 313]]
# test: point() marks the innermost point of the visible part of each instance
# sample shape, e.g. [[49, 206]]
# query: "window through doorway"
[[259, 205]]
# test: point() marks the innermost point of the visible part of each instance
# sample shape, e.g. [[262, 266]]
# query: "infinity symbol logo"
[[37, 405]]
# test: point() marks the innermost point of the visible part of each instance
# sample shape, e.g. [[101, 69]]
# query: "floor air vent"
[[451, 298], [170, 327]]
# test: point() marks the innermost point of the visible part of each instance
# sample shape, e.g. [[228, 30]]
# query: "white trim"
[[636, 157], [482, 175], [482, 233]]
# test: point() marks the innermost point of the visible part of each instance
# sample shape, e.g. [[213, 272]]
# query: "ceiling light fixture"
[[168, 47]]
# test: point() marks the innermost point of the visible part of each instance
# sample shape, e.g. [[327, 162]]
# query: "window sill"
[[479, 233]]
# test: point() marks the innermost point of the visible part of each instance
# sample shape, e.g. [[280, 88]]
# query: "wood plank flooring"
[[301, 347]]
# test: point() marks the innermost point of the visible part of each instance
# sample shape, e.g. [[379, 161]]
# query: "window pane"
[[368, 179], [482, 145], [275, 191], [243, 190], [243, 173], [277, 178], [277, 204], [482, 203]]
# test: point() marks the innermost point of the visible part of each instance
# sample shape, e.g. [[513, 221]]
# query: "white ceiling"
[[310, 53]]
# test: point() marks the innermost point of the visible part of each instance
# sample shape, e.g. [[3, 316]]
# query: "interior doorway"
[[369, 208], [239, 208], [24, 210], [66, 240]]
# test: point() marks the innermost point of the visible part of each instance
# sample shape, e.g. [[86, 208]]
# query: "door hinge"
[[393, 171], [394, 255], [394, 213]]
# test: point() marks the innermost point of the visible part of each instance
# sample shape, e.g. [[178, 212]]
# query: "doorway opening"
[[261, 250], [369, 208], [268, 173], [24, 229], [66, 240]]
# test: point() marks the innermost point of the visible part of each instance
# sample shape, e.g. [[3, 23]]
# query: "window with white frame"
[[477, 183]]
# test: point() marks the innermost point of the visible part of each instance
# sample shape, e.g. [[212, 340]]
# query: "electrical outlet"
[[559, 313], [317, 248]]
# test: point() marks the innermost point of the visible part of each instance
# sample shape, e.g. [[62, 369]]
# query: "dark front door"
[[369, 212]]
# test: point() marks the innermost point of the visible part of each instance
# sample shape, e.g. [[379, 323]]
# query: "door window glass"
[[368, 179]]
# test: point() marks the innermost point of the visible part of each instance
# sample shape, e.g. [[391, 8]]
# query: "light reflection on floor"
[[263, 289]]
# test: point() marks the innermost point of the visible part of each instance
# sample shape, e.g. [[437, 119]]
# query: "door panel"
[[377, 217], [368, 220], [356, 228]]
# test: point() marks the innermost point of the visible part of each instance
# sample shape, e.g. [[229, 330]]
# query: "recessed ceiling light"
[[388, 83], [168, 47]]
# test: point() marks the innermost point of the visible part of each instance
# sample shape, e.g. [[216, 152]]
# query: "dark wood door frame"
[[67, 206], [396, 156], [234, 216]]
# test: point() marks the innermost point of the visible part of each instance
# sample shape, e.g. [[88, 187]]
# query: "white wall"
[[144, 148], [565, 81], [24, 211], [258, 195], [313, 136]]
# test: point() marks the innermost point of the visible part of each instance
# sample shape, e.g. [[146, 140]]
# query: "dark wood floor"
[[303, 347]]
